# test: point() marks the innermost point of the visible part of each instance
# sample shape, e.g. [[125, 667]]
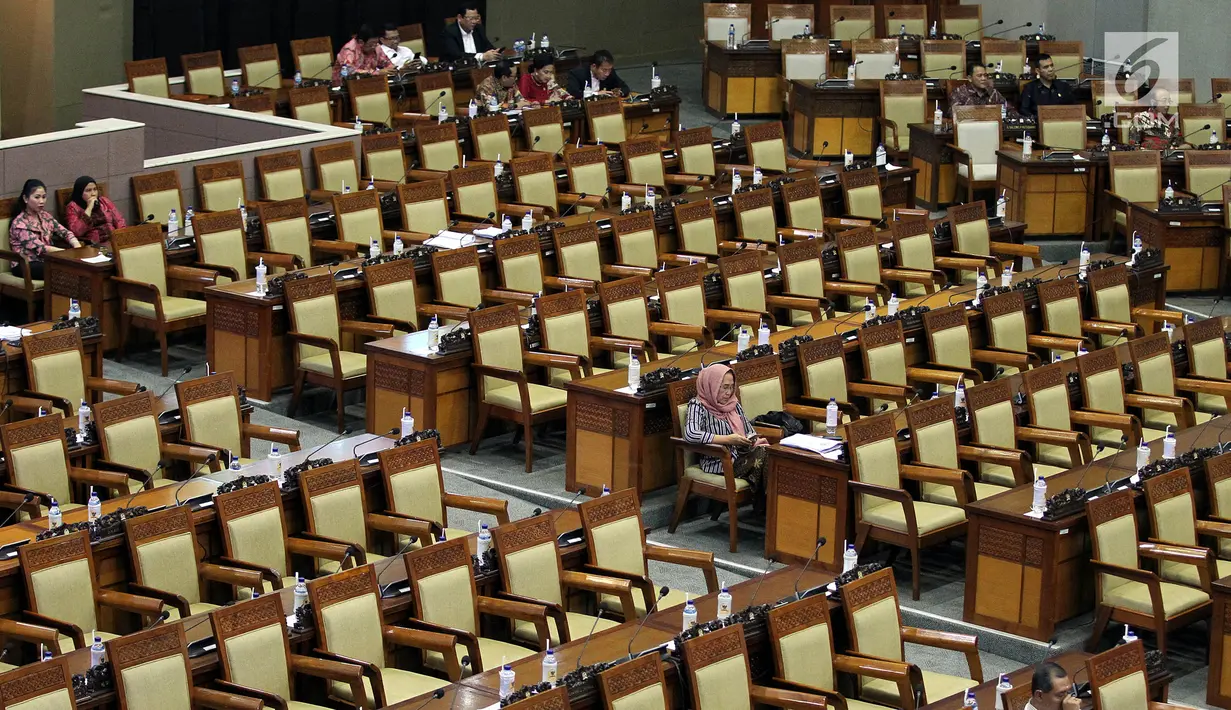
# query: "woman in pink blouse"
[[33, 229], [90, 216]]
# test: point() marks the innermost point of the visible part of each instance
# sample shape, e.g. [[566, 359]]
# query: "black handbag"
[[786, 422]]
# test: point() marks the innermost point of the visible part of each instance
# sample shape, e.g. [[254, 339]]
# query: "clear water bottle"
[[1027, 146], [932, 32], [243, 216], [1213, 137], [724, 603], [46, 654], [398, 246], [626, 202], [959, 398], [850, 558], [443, 114], [472, 110], [408, 423], [1006, 276], [236, 466], [373, 248], [1169, 330], [735, 127], [655, 80], [544, 43], [850, 75], [1004, 112], [506, 224], [869, 310], [1128, 636], [551, 668], [731, 37], [938, 118], [433, 335], [301, 591], [256, 594], [757, 176], [1002, 687], [485, 541], [902, 30], [173, 223], [970, 701], [298, 78], [1137, 244], [831, 417], [94, 506], [74, 308], [763, 334], [83, 418], [650, 198], [848, 158], [1081, 350], [276, 457], [587, 91], [1143, 455], [606, 491], [634, 371], [894, 304], [345, 188], [345, 72], [1106, 139], [54, 519], [1169, 444], [743, 339], [507, 678], [690, 615], [527, 222], [1039, 503], [882, 157], [493, 103], [98, 652], [262, 272], [1002, 204], [235, 87], [188, 216], [737, 181], [498, 168]]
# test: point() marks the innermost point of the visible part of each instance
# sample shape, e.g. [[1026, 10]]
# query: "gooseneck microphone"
[[984, 27], [662, 592], [819, 544]]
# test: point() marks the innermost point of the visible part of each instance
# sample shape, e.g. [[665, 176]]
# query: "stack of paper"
[[450, 240], [489, 232], [829, 448]]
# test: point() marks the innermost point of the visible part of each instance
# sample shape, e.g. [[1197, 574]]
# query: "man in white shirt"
[[1051, 689], [390, 44], [466, 37]]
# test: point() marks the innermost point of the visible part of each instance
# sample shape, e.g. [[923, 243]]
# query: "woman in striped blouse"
[[715, 416]]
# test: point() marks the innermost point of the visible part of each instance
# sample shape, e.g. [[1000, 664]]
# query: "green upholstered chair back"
[[904, 103], [336, 167], [536, 181], [802, 201], [614, 532], [1207, 358], [874, 458], [948, 336], [221, 185], [876, 57], [759, 382], [443, 583], [824, 369], [766, 146], [157, 194], [312, 107], [313, 306], [680, 394], [993, 423], [682, 296], [803, 642], [884, 353], [128, 431], [913, 242], [970, 231], [697, 229], [457, 276], [384, 158], [1047, 397], [962, 21], [286, 228], [210, 407], [1109, 294], [804, 59], [425, 206], [6, 207], [253, 527], [636, 239], [1011, 54], [474, 191], [370, 99], [717, 664], [976, 129], [39, 686], [937, 55], [743, 280], [577, 251], [391, 290], [529, 558], [643, 161], [546, 125], [934, 431], [1137, 179], [859, 250], [695, 148], [162, 547], [148, 77], [1152, 361], [754, 216], [497, 337], [1173, 517], [1102, 385], [438, 147], [862, 193], [412, 482], [606, 118], [281, 175], [873, 618], [802, 270], [151, 669], [521, 263], [491, 138], [624, 310], [565, 323], [221, 240], [1060, 303], [334, 502], [60, 579], [636, 685], [849, 23], [358, 217], [1118, 678], [1006, 320], [587, 170], [38, 455], [1114, 525], [313, 57], [348, 616], [139, 256], [252, 645], [1063, 127], [260, 66], [720, 18], [55, 364]]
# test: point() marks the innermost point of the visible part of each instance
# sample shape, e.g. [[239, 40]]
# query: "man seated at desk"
[[1045, 91], [1051, 689], [978, 89], [391, 45], [1154, 128], [362, 56], [599, 78], [466, 37]]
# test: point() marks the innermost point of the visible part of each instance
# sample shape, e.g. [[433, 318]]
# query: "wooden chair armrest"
[[881, 668], [949, 641], [329, 670], [332, 246], [572, 363], [191, 275], [319, 341], [267, 574], [538, 212], [1154, 314], [564, 283], [1220, 388], [231, 575], [877, 292], [931, 277], [516, 376], [1056, 342], [59, 626], [398, 525], [285, 261], [1077, 443], [111, 480], [110, 386], [1179, 406], [583, 199], [892, 134], [699, 333], [1112, 328], [788, 699], [600, 584], [221, 270], [442, 311], [935, 376], [896, 495], [369, 670], [521, 611], [1214, 529], [722, 315], [1005, 358], [371, 330], [614, 344], [684, 557], [322, 548], [388, 235], [145, 606], [1015, 250], [967, 262], [69, 409], [553, 610], [1125, 423], [961, 481], [195, 455], [219, 700], [497, 507], [138, 290], [1016, 460], [619, 189], [875, 390], [504, 295], [290, 437], [713, 450], [799, 235], [32, 633], [1132, 574], [269, 700], [624, 271]]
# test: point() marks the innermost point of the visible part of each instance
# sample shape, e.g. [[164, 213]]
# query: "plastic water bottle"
[[882, 157], [358, 124], [894, 303], [850, 558], [173, 223], [1137, 244], [626, 202], [1106, 139], [850, 75], [1027, 146], [1041, 32], [1169, 444], [831, 417], [373, 249], [634, 371], [46, 654], [735, 127], [737, 181], [507, 678], [587, 91], [724, 603], [741, 342], [1039, 503], [261, 271], [1143, 455], [544, 43], [1002, 687], [959, 396], [83, 418], [235, 87], [655, 80], [1081, 350], [98, 652], [869, 310], [650, 198], [1169, 330], [485, 540], [276, 456], [1006, 276], [345, 72], [980, 286], [398, 246], [236, 466], [493, 104], [408, 423], [188, 215], [298, 78], [731, 36], [1002, 204], [256, 594], [442, 115], [690, 615], [938, 118], [848, 158], [970, 701], [301, 591], [433, 334], [606, 491], [1004, 112], [94, 506], [54, 519], [763, 334], [74, 308], [1128, 636], [527, 222], [243, 216], [498, 168], [345, 188], [757, 176], [897, 67], [506, 224], [932, 33], [1169, 192]]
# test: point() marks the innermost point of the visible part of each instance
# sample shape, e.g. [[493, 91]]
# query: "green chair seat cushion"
[[328, 567], [929, 516], [173, 308], [490, 650], [353, 364], [542, 398], [1188, 576], [611, 604], [399, 685], [560, 377], [1156, 419], [134, 485], [937, 686], [945, 495], [579, 626], [66, 643], [11, 279], [713, 479], [193, 609], [267, 587], [1135, 596]]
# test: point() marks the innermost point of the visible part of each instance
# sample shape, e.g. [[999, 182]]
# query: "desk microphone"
[[208, 460], [1214, 99], [161, 618], [24, 501], [984, 27], [757, 590], [580, 197], [185, 371], [428, 110], [951, 68], [662, 592], [343, 433], [590, 636], [820, 542], [374, 437], [390, 561], [1123, 334], [1212, 189], [150, 475], [1184, 138], [1107, 475], [262, 81], [1000, 32], [832, 25], [861, 34]]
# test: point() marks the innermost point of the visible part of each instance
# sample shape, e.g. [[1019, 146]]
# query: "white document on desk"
[[450, 240], [97, 259], [890, 167], [489, 232], [829, 448]]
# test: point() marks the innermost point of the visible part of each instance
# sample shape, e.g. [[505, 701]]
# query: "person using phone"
[[715, 417], [466, 38], [1051, 689]]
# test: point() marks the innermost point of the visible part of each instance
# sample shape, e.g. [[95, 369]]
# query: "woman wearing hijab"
[[92, 217], [716, 417], [33, 229]]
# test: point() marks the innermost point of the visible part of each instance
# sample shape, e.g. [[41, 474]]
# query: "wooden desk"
[[842, 116], [13, 369], [744, 80], [434, 387], [1056, 198], [1218, 686], [1193, 243], [806, 498], [1025, 575]]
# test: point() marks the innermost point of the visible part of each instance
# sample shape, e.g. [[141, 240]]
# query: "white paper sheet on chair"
[[829, 448]]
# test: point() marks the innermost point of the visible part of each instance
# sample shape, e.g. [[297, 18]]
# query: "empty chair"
[[56, 370], [212, 417], [151, 670], [132, 442], [203, 73], [718, 674], [933, 433]]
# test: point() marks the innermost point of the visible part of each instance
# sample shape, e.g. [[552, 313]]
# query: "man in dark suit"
[[600, 76], [466, 38]]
